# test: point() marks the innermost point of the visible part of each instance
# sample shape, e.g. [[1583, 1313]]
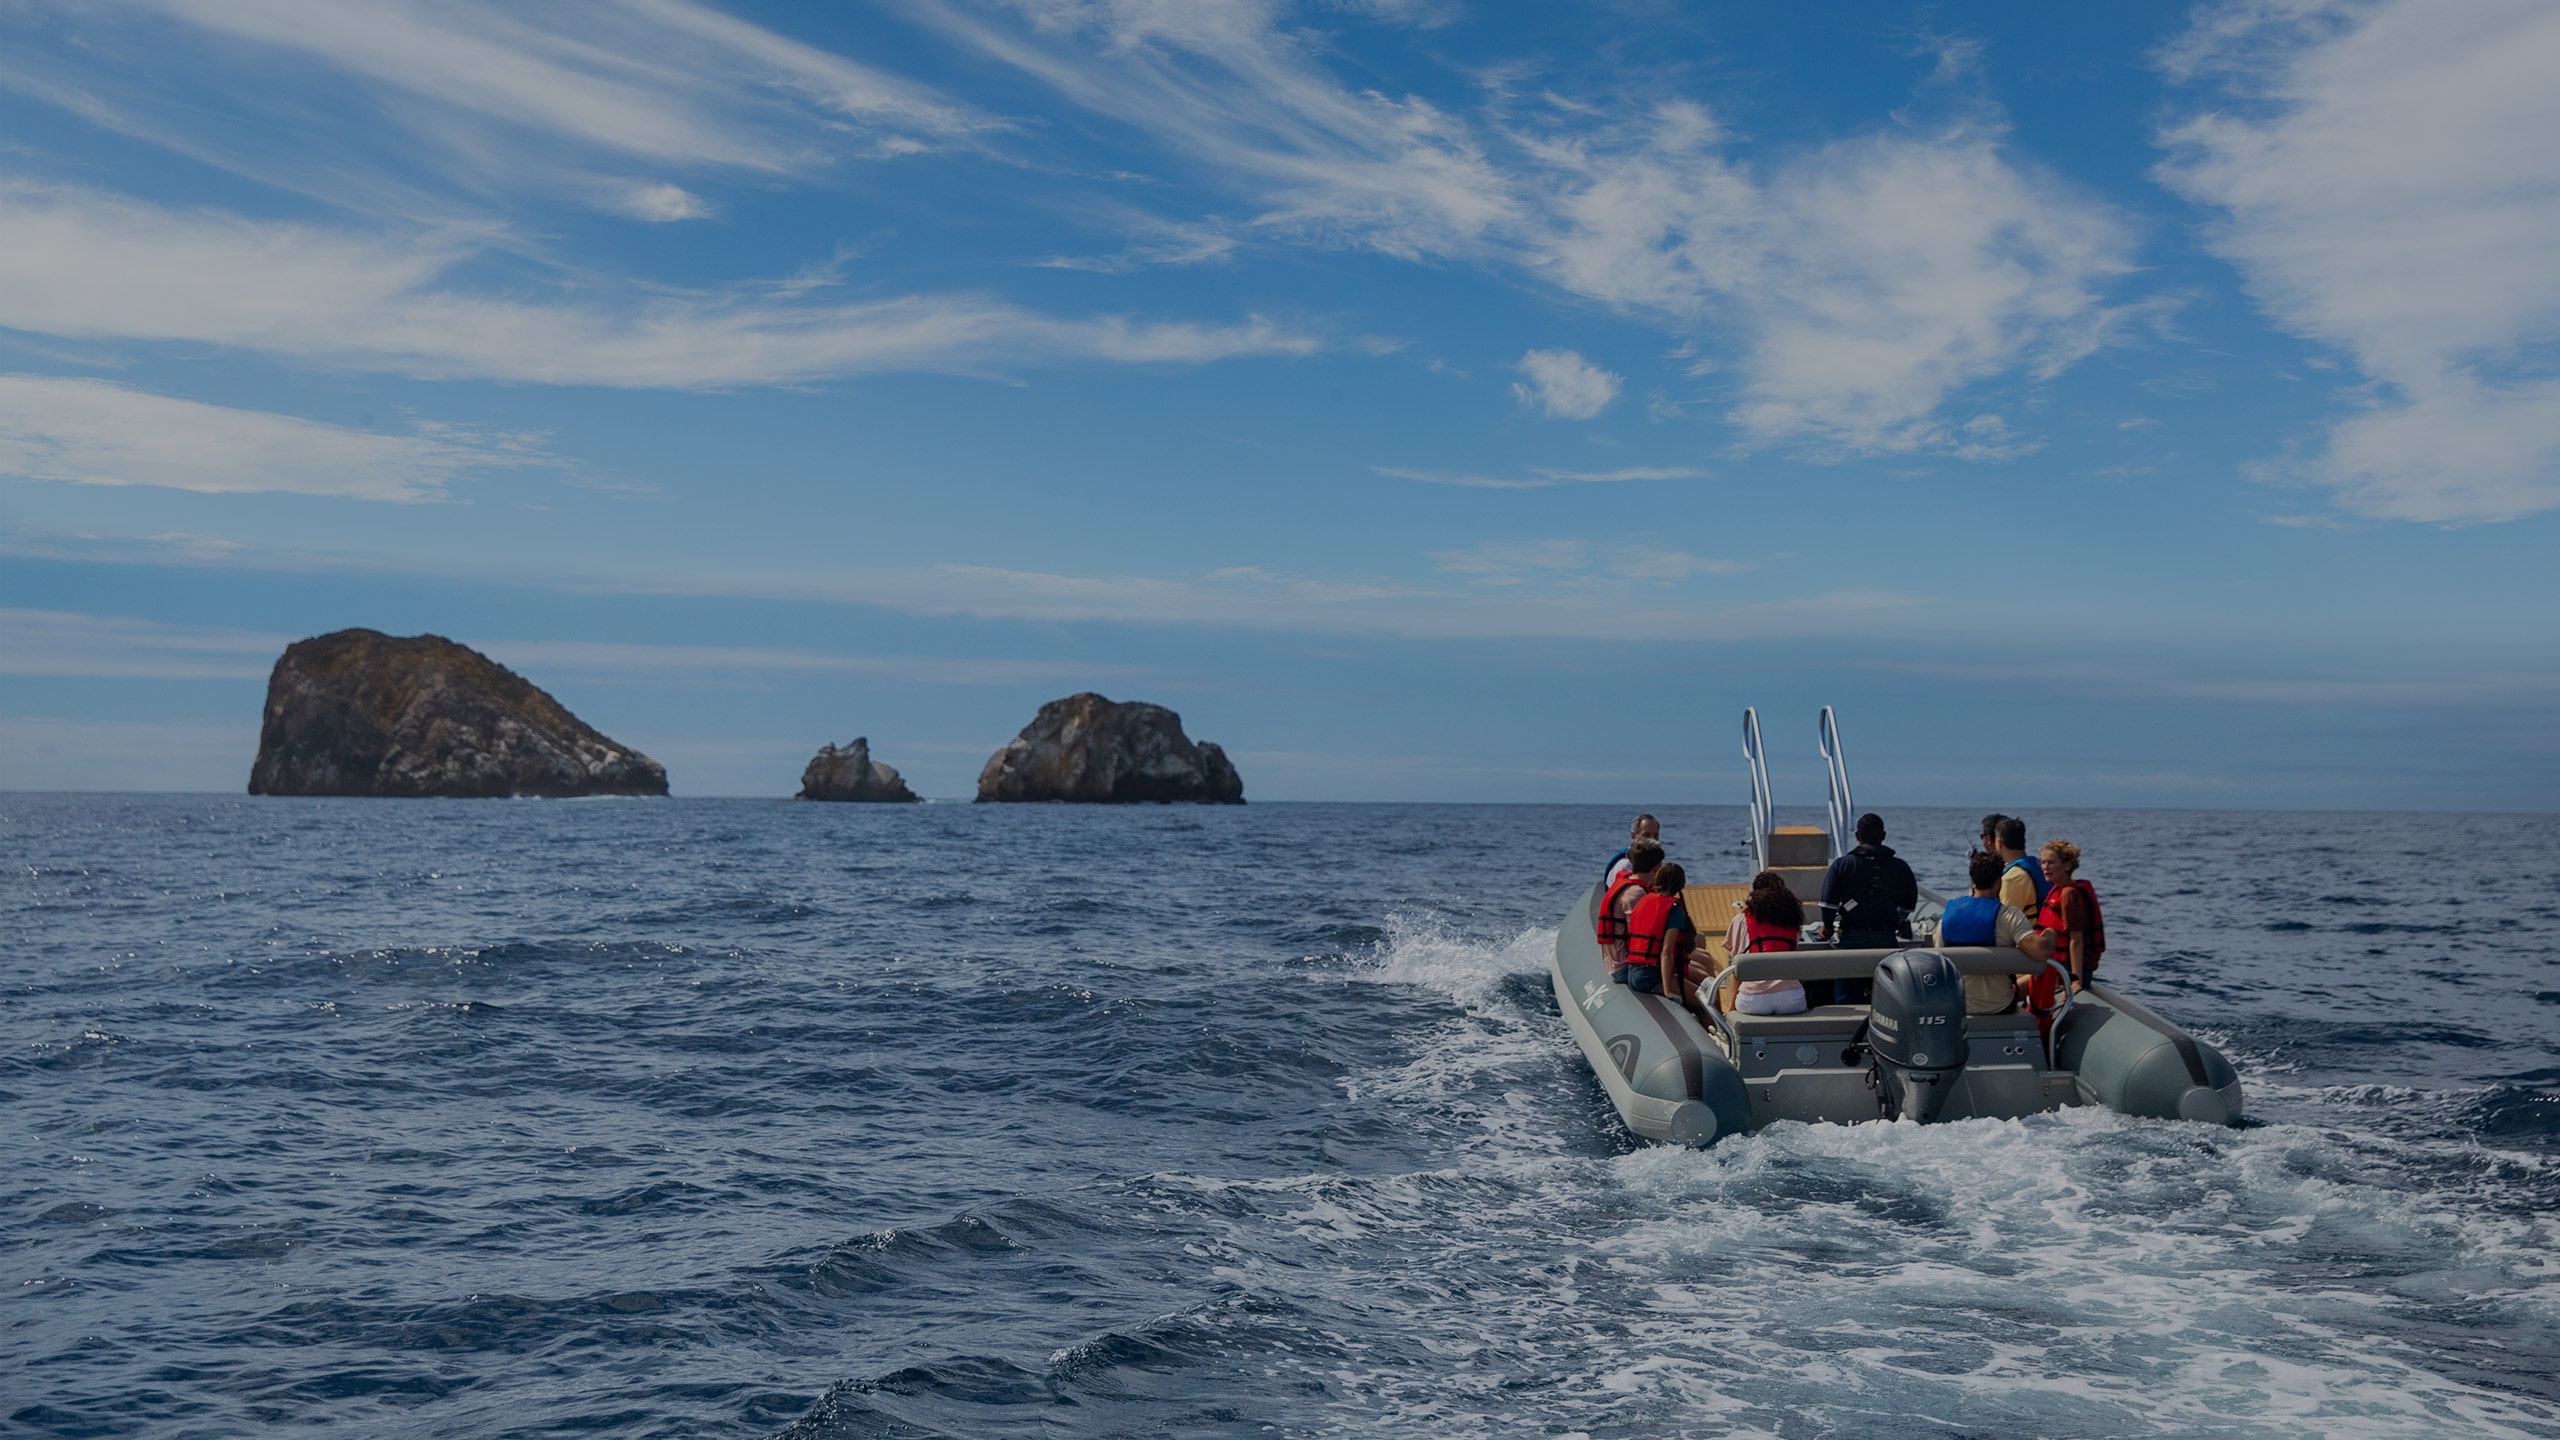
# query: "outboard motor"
[[1917, 1034]]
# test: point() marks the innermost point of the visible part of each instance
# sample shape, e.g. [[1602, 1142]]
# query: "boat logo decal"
[[1622, 1051]]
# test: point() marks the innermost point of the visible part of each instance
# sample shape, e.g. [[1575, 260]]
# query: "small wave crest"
[[1427, 950]]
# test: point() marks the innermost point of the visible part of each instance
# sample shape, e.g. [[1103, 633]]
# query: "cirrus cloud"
[[1861, 287], [83, 264], [2388, 181], [94, 432]]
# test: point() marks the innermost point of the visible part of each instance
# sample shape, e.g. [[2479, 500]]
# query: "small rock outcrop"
[[1086, 748], [358, 712], [849, 773]]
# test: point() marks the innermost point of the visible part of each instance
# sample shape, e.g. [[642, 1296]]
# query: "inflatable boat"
[[1910, 1053]]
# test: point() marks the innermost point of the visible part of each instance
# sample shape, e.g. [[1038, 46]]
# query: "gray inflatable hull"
[[2122, 1056], [1674, 1080], [1669, 1079]]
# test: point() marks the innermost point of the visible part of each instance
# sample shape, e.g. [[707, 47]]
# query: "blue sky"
[[2110, 405]]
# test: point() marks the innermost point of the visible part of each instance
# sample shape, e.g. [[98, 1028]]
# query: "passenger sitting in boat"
[[1644, 828], [2022, 881], [1609, 917], [1769, 920], [1983, 918], [1869, 895], [2071, 914], [1660, 936]]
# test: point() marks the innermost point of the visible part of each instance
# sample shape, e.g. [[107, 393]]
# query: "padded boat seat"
[[1820, 1020]]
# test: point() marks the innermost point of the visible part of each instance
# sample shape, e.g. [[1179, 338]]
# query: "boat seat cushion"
[[1820, 1020]]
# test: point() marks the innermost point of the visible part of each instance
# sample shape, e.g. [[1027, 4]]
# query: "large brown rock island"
[[1089, 749], [358, 712]]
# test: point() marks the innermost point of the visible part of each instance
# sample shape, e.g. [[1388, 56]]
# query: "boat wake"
[[2074, 1273]]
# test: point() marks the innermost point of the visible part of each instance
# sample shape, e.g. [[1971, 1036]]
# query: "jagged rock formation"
[[359, 712], [1086, 748], [850, 773]]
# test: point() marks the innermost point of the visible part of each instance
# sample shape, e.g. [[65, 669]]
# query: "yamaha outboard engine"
[[1917, 1032]]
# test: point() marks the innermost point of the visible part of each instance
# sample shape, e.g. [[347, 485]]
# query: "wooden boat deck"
[[1712, 907]]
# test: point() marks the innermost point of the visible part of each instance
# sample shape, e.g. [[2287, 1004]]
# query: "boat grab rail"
[[1716, 1012], [2053, 1028], [1763, 809], [1842, 810]]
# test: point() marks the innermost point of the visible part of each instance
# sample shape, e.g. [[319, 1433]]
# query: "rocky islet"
[[1092, 750], [848, 772], [358, 712]]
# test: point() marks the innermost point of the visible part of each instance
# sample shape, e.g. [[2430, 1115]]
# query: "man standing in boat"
[[1867, 898]]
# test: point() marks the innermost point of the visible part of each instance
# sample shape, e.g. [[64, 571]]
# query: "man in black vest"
[[1868, 896]]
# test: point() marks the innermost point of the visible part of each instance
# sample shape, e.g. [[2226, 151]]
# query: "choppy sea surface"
[[743, 1118]]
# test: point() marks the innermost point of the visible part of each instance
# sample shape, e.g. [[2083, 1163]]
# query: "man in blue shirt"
[[1983, 918]]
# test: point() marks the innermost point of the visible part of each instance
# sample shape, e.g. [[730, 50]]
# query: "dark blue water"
[[735, 1118]]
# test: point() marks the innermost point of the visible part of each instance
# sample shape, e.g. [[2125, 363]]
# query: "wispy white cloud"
[[470, 95], [658, 662], [72, 643], [1865, 286], [58, 642], [93, 432], [1860, 289], [1872, 280], [660, 204], [1564, 385], [1220, 80], [1155, 242], [2390, 186], [1536, 589], [81, 264], [1539, 479], [2138, 673], [1609, 562]]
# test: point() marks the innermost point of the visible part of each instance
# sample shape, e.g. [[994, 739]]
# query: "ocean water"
[[745, 1118]]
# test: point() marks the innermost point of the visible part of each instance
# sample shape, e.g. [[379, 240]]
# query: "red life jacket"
[[1646, 931], [2049, 916], [1765, 937], [2044, 992], [1607, 923]]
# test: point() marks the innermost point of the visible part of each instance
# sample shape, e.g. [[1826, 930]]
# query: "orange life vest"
[[1607, 923], [2050, 916], [1765, 937], [1648, 929], [2044, 992]]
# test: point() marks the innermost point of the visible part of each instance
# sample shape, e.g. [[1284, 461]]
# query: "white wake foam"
[[2080, 1273]]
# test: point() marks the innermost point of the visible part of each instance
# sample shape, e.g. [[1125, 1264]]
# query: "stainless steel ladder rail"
[[1761, 807], [1843, 810]]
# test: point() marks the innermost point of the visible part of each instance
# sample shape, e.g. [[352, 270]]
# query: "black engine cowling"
[[1917, 1032]]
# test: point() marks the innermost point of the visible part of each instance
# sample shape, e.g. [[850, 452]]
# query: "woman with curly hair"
[[1768, 920]]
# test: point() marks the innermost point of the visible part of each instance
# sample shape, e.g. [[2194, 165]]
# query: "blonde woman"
[[2070, 915]]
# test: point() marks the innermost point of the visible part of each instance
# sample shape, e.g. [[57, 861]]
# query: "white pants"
[[1783, 1002]]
